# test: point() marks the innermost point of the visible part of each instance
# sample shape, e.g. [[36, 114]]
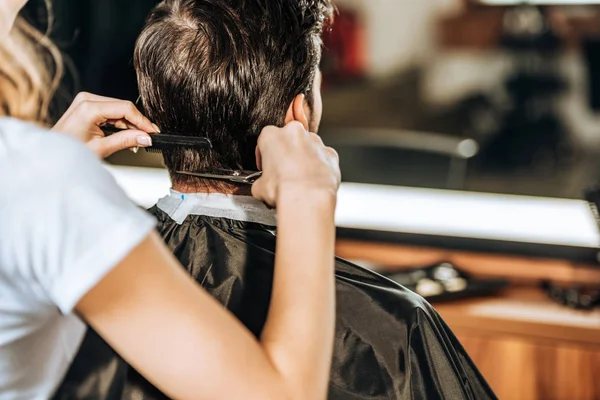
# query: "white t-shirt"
[[64, 224]]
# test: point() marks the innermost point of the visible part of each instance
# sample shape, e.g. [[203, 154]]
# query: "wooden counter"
[[524, 312], [527, 346]]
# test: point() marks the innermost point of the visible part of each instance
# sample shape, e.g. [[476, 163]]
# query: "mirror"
[[488, 96]]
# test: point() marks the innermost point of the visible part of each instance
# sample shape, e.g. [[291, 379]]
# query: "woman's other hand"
[[294, 160], [90, 112]]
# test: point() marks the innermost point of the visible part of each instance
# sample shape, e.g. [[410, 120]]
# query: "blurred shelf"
[[515, 268], [479, 27]]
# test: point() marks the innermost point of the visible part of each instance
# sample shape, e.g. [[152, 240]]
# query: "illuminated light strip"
[[467, 215], [393, 209]]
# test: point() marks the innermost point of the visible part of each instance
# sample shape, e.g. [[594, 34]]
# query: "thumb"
[[128, 139], [260, 191]]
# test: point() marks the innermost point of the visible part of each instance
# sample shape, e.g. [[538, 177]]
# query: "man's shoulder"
[[352, 280], [357, 278], [155, 211]]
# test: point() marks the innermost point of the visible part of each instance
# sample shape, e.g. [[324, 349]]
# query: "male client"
[[224, 69]]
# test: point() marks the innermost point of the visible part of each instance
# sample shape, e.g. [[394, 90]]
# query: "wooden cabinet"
[[528, 347], [520, 368]]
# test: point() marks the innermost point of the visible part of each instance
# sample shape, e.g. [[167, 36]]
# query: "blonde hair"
[[30, 73]]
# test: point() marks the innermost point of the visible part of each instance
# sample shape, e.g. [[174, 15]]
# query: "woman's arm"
[[184, 342], [302, 313], [299, 333]]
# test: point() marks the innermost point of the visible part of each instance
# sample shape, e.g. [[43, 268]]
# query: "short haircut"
[[225, 69]]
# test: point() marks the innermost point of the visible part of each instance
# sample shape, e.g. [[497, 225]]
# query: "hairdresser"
[[75, 252]]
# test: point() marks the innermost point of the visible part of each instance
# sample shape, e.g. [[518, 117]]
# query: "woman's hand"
[[89, 113], [301, 177], [293, 159]]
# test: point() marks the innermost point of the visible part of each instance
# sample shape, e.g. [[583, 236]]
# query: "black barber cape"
[[389, 342]]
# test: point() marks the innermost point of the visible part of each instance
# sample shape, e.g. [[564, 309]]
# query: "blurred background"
[[432, 93], [491, 96]]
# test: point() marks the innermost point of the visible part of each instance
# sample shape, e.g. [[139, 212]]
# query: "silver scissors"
[[236, 176]]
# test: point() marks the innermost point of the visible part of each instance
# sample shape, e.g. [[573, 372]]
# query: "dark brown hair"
[[225, 69]]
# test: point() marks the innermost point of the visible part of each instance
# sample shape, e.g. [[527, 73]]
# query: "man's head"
[[225, 69]]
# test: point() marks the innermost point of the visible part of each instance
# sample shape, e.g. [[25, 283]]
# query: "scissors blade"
[[245, 177]]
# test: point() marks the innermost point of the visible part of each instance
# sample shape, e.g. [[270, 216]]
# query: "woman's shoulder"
[[19, 138], [45, 157], [62, 213]]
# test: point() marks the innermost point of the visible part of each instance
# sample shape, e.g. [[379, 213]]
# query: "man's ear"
[[299, 111]]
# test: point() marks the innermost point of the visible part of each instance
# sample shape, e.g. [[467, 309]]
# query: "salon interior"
[[469, 140]]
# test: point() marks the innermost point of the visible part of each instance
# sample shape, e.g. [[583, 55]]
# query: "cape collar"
[[238, 208]]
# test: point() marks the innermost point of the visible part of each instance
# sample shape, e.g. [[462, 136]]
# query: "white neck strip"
[[238, 208]]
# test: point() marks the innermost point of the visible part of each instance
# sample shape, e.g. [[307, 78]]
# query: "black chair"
[[402, 158]]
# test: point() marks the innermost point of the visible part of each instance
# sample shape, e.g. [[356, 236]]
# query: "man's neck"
[[214, 187]]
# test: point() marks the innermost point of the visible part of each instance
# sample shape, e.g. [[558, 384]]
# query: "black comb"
[[165, 141]]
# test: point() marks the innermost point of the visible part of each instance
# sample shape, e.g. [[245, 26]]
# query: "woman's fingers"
[[129, 139], [117, 110], [85, 96], [119, 123], [90, 112]]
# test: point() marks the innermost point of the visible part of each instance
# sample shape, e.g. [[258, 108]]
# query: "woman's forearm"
[[298, 336]]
